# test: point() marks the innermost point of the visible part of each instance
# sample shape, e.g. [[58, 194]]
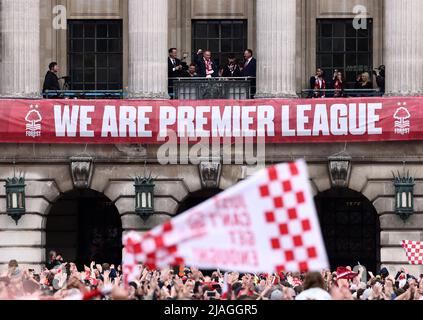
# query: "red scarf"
[[209, 67], [319, 86], [339, 85]]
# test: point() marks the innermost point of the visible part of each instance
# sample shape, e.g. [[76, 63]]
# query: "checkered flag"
[[414, 251], [267, 223]]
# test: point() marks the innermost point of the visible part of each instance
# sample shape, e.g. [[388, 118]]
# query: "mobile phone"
[[211, 293], [31, 270]]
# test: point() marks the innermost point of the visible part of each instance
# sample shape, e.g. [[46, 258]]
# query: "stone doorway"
[[196, 198], [84, 226], [350, 227]]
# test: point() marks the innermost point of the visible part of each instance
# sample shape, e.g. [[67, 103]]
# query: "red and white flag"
[[267, 223], [414, 251]]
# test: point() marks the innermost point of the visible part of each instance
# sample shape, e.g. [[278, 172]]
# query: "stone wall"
[[48, 175]]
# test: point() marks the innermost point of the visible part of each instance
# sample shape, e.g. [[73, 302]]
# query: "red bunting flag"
[[267, 223]]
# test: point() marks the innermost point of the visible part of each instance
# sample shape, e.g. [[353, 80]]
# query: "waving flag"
[[414, 251], [267, 223]]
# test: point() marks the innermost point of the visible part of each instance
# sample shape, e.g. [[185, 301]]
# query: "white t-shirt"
[[314, 294]]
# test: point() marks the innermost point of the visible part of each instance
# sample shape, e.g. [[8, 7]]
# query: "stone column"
[[276, 44], [148, 29], [20, 48], [403, 47]]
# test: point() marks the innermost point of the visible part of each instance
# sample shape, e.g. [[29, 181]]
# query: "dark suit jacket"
[[170, 66], [51, 82], [201, 67], [251, 69], [227, 72]]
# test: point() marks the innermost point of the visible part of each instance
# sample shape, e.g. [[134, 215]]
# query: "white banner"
[[267, 223]]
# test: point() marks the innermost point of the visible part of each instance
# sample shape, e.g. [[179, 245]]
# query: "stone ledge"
[[394, 238], [30, 255], [393, 222], [412, 269], [163, 188], [133, 221], [393, 255], [22, 238], [38, 205], [162, 205], [28, 221]]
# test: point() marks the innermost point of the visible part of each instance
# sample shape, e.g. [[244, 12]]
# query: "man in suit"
[[207, 68], [51, 81], [250, 65], [250, 70], [174, 69]]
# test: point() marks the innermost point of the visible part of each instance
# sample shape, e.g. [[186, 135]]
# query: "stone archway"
[[84, 225], [197, 198], [351, 228]]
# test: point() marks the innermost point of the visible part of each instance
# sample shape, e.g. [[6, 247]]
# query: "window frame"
[[347, 38], [113, 53]]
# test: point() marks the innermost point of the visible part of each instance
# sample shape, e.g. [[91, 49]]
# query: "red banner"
[[153, 122]]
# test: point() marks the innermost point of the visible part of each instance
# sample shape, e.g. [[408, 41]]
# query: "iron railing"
[[240, 88], [346, 93], [84, 94]]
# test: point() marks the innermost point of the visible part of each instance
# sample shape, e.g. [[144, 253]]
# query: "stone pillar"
[[276, 44], [403, 47], [20, 48], [148, 29]]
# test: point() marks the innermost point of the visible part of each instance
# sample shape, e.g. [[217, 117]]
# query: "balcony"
[[213, 88]]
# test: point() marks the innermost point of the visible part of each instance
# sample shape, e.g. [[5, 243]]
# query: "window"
[[340, 46], [95, 54], [221, 37]]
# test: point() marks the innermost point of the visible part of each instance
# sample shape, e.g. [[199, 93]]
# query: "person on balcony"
[[250, 65], [191, 72], [231, 70], [338, 84], [379, 73], [207, 68], [364, 83], [318, 84], [250, 70], [174, 69], [174, 65], [51, 81]]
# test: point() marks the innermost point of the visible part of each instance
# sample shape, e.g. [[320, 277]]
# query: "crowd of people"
[[204, 66], [60, 280], [321, 87]]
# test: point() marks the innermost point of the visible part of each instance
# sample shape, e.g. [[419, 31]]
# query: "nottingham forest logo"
[[33, 119], [402, 122]]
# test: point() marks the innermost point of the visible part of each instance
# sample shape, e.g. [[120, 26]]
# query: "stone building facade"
[[283, 33]]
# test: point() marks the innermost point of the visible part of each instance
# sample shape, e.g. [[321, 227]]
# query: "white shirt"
[[314, 294], [174, 63]]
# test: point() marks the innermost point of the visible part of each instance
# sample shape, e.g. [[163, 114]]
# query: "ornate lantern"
[[15, 197], [404, 195], [144, 196]]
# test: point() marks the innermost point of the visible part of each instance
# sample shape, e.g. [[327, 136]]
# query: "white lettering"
[[109, 125], [127, 121], [286, 131], [338, 120], [221, 124], [265, 118], [248, 120], [85, 121], [143, 120], [373, 118], [66, 126], [167, 118], [302, 120], [321, 123]]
